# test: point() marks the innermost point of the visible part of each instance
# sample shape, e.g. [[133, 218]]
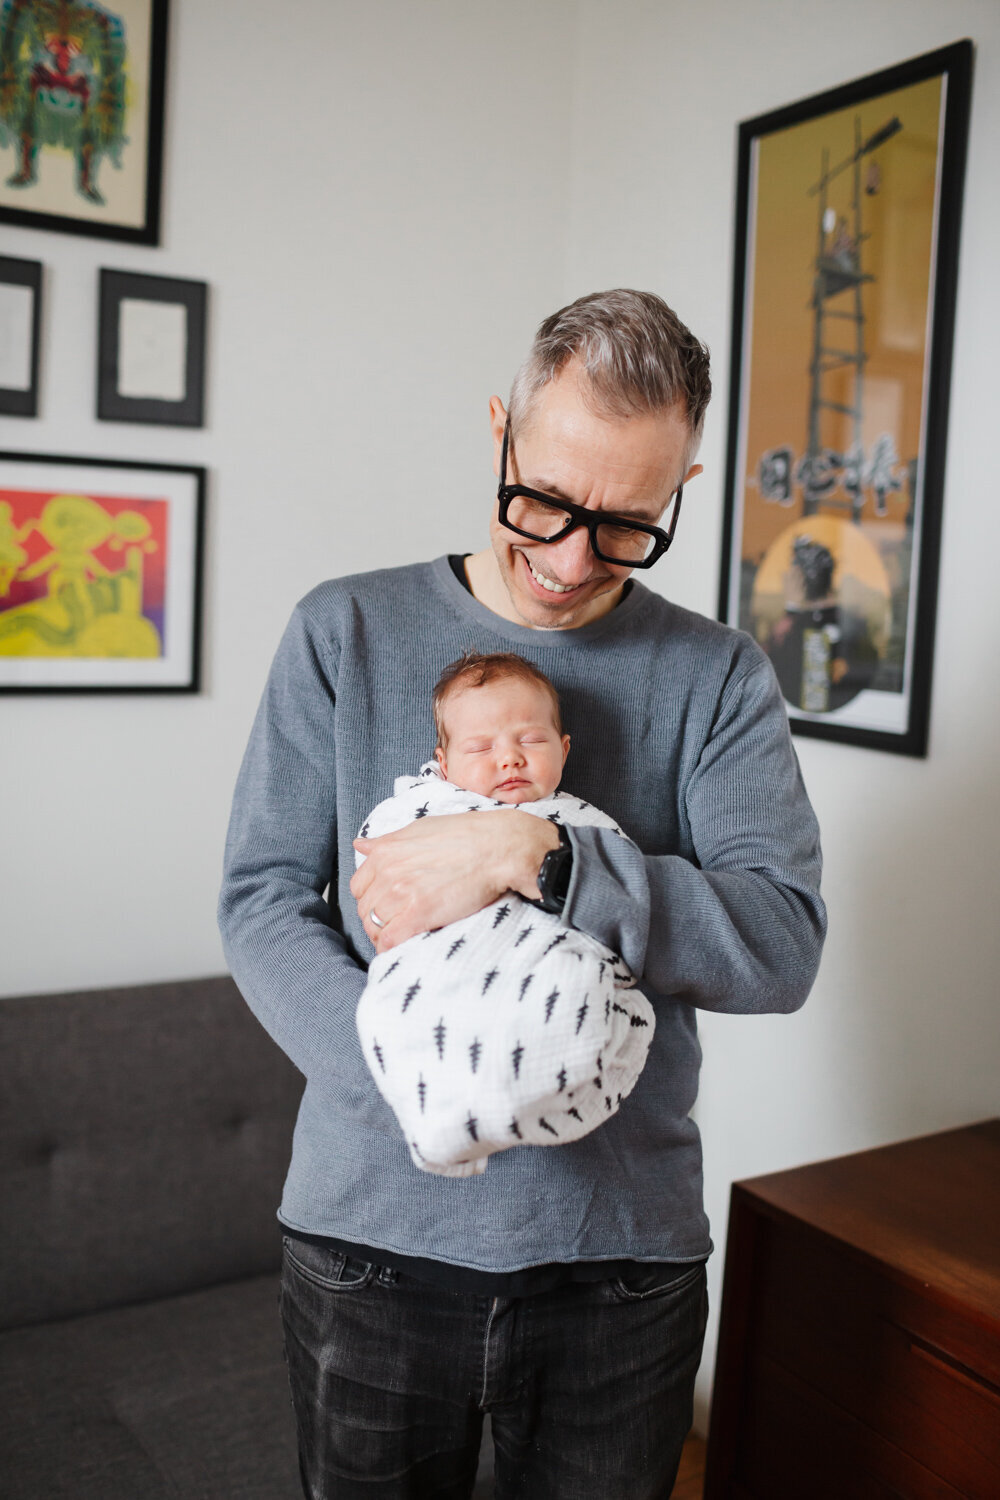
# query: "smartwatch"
[[554, 875]]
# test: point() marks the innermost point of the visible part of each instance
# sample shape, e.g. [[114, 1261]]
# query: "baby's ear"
[[439, 757], [565, 745]]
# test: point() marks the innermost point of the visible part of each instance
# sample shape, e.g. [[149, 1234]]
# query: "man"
[[563, 1290]]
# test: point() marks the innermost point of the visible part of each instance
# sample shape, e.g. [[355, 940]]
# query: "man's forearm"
[[292, 968], [736, 941]]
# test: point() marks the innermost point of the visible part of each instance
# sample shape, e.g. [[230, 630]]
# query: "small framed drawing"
[[100, 575], [20, 329], [151, 349], [848, 213], [81, 116]]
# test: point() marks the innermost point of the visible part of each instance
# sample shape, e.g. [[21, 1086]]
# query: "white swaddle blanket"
[[505, 1028]]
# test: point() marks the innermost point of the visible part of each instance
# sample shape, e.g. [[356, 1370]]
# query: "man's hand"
[[439, 870]]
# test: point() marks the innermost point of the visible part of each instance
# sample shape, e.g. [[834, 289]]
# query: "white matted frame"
[[20, 335], [151, 349]]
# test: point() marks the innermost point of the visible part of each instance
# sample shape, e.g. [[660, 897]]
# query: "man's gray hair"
[[636, 353]]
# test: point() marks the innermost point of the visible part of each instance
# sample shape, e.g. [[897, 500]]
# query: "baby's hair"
[[476, 670]]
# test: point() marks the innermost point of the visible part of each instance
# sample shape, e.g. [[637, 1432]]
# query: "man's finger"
[[385, 938], [390, 935]]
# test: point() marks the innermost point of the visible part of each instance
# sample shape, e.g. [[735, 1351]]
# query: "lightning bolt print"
[[410, 995]]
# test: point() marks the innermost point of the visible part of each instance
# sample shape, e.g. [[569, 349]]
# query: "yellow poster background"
[[897, 208]]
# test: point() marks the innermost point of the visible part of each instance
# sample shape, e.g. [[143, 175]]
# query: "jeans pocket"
[[325, 1267], [644, 1284]]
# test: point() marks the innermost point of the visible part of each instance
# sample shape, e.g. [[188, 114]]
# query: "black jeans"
[[589, 1387]]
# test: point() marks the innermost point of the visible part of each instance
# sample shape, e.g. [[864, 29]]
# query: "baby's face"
[[502, 741]]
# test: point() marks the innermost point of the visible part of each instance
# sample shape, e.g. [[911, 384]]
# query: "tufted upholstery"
[[144, 1135]]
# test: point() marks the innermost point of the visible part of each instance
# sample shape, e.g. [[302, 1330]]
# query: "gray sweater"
[[679, 733]]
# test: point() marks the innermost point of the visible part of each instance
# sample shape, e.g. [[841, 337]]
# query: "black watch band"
[[554, 876]]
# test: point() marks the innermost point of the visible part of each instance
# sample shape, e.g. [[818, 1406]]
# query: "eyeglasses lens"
[[616, 542]]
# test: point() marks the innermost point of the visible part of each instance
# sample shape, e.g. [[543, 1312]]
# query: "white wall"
[[378, 197], [902, 1033], [384, 211]]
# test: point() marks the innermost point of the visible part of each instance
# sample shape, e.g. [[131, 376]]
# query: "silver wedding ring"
[[375, 919]]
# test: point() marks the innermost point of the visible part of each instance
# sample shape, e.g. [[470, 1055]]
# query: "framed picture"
[[100, 575], [848, 216], [20, 330], [81, 116], [151, 349]]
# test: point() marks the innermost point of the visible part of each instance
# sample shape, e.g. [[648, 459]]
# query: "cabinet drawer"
[[859, 1341], [797, 1445]]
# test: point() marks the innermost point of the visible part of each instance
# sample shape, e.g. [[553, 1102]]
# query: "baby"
[[506, 1028]]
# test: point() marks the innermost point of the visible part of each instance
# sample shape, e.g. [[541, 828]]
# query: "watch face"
[[553, 878]]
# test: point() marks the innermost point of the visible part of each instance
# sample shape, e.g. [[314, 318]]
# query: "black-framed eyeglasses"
[[613, 539]]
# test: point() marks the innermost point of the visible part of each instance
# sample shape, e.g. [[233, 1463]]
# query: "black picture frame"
[[118, 609], [186, 358], [111, 186], [22, 400], [845, 275]]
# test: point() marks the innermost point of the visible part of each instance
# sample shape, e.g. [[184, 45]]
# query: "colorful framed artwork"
[[848, 215], [81, 116], [151, 349], [20, 334], [100, 575]]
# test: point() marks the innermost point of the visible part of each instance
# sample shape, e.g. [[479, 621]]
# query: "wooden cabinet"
[[859, 1345]]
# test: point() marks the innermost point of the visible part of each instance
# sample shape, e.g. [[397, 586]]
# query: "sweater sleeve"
[[739, 928], [281, 937]]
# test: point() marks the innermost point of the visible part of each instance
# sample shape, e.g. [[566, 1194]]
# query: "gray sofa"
[[144, 1136]]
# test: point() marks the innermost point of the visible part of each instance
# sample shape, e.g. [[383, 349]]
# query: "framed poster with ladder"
[[848, 214]]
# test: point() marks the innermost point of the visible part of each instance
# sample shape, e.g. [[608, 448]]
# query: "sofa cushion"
[[184, 1399], [144, 1137]]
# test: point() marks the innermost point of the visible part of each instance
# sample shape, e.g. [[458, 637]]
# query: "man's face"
[[624, 466], [502, 741]]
